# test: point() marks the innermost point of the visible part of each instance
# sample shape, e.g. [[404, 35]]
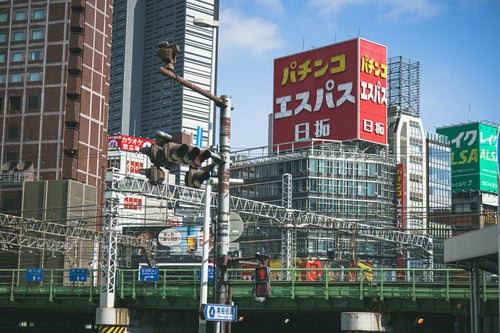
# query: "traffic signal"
[[155, 175], [195, 177], [156, 154], [167, 53], [175, 152], [262, 281], [204, 155], [191, 155]]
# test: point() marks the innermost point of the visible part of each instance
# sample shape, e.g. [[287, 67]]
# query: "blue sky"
[[457, 43]]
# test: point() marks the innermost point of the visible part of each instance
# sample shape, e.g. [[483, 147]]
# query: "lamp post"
[[202, 327], [214, 24]]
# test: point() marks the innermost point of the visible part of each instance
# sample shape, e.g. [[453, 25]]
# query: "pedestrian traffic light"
[[155, 175], [262, 282], [195, 177]]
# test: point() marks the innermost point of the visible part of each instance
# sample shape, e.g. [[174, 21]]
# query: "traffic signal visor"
[[175, 152], [195, 177]]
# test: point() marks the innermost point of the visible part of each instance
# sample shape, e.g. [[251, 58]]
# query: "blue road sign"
[[219, 312], [148, 274], [34, 274], [211, 274], [78, 274]]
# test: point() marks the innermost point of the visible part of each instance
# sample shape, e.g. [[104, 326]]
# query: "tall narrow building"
[[142, 101], [54, 69]]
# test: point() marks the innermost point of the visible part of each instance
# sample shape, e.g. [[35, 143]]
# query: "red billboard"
[[128, 143], [336, 92]]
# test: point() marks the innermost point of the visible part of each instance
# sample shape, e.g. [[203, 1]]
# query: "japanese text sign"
[[337, 92]]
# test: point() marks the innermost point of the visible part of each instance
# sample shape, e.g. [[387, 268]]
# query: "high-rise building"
[[438, 155], [54, 69], [142, 101], [54, 83]]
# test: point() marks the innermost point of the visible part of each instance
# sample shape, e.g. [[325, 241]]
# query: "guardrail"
[[180, 287]]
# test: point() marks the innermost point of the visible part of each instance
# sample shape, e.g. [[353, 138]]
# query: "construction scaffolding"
[[404, 85]]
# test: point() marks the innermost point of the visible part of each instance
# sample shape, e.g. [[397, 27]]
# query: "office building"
[[54, 69], [143, 101], [438, 155]]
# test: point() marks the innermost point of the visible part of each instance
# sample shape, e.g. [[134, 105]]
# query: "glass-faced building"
[[438, 155], [337, 180]]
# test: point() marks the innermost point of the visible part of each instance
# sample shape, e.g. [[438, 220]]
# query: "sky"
[[456, 42]]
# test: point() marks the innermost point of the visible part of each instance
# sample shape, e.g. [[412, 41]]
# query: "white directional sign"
[[219, 312]]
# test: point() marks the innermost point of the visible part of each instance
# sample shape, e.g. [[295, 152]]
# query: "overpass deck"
[[381, 289]]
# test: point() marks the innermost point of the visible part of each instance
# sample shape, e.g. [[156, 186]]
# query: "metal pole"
[[222, 235], [202, 327]]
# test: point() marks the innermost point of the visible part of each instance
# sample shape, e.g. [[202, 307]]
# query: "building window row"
[[21, 15], [18, 77]]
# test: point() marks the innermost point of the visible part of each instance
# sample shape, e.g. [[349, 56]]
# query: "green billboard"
[[473, 156]]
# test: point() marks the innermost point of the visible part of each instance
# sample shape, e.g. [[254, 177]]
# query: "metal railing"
[[184, 283]]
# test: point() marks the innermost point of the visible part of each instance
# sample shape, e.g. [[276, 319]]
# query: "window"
[[15, 103], [8, 205], [37, 34], [16, 78], [19, 36], [4, 17], [13, 132], [2, 58], [2, 78], [36, 55], [34, 76], [3, 37], [17, 56], [33, 102], [20, 15], [38, 14]]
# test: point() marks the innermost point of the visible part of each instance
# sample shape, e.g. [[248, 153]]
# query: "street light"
[[208, 23], [214, 24]]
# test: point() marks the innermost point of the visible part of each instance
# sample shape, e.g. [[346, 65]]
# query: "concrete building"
[[143, 101]]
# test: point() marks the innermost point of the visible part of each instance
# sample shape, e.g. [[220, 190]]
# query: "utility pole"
[[167, 53]]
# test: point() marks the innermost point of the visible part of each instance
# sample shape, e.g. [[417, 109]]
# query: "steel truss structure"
[[31, 234], [255, 211]]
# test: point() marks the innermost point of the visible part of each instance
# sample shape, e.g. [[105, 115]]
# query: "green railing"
[[328, 288]]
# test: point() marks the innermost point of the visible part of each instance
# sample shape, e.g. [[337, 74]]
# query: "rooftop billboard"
[[473, 156], [336, 92]]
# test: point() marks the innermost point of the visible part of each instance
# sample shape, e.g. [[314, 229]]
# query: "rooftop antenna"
[[469, 111]]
